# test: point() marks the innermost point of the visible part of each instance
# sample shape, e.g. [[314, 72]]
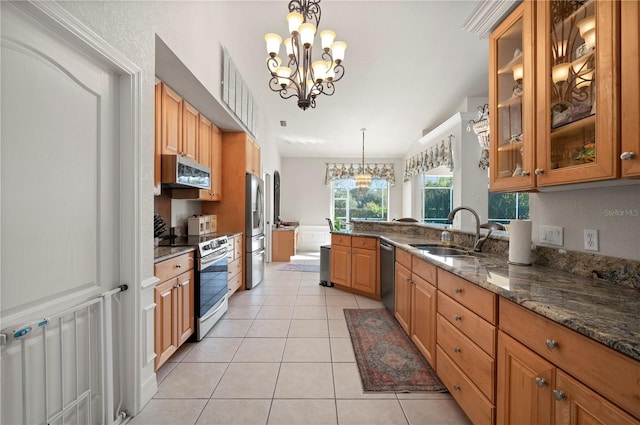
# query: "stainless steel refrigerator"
[[254, 231]]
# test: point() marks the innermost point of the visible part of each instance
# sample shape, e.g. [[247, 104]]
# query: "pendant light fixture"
[[363, 179], [301, 76]]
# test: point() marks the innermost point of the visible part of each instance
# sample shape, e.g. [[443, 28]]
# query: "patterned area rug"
[[387, 359], [300, 268]]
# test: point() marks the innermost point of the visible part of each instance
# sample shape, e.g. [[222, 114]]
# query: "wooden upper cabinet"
[[189, 132], [204, 141], [216, 164], [512, 101], [630, 152], [577, 70], [157, 154], [171, 121], [253, 157]]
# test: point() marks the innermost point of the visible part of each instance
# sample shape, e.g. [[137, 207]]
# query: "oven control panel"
[[213, 246]]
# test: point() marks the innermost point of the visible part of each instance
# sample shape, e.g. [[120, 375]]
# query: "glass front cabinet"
[[511, 102], [570, 83], [630, 152]]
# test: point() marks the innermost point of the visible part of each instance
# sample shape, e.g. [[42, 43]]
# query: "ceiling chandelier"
[[302, 77], [363, 179]]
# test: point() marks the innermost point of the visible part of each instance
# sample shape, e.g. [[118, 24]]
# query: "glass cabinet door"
[[578, 91], [511, 100], [630, 62]]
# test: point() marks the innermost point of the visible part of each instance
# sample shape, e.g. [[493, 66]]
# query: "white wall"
[[305, 198]]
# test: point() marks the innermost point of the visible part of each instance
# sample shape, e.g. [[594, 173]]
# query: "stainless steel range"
[[211, 283]]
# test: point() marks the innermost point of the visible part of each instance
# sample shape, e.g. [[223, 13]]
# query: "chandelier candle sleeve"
[[301, 76]]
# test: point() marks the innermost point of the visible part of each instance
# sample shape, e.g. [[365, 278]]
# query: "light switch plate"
[[551, 235]]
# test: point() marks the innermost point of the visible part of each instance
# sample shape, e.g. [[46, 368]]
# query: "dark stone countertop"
[[163, 253], [600, 310]]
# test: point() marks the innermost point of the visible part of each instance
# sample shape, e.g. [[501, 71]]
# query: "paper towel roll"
[[520, 242]]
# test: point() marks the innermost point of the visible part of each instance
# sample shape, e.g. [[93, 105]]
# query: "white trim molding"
[[487, 15]]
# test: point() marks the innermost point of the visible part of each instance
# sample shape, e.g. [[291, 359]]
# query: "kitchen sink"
[[442, 250]]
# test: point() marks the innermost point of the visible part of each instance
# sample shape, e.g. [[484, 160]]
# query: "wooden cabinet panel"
[[474, 362], [478, 300], [189, 132], [166, 331], [216, 164], [185, 301], [524, 384], [365, 243], [237, 247], [630, 40], [468, 396], [171, 121], [343, 240], [284, 244], [252, 153], [402, 300], [173, 267], [614, 375], [341, 265], [404, 258], [204, 141], [424, 269], [423, 317], [364, 270], [582, 406], [475, 328], [157, 152]]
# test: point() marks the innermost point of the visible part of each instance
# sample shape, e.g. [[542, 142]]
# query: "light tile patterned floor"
[[282, 355]]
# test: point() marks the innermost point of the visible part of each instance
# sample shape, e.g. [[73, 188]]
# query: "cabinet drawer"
[[473, 326], [234, 284], [608, 372], [404, 258], [468, 396], [474, 362], [237, 247], [364, 243], [235, 267], [476, 299], [424, 269], [173, 267], [343, 240]]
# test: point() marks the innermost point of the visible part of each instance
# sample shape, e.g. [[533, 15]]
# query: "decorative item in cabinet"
[[577, 70], [511, 101]]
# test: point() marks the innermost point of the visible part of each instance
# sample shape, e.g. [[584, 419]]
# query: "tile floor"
[[282, 355]]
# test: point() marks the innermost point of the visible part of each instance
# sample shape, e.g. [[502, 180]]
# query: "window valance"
[[339, 171], [430, 158]]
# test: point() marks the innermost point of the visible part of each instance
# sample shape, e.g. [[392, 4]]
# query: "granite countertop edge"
[[597, 309], [163, 253]]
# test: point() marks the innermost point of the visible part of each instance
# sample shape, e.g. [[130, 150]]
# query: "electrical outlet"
[[591, 239], [551, 235]]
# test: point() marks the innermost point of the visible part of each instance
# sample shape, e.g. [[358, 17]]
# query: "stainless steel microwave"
[[179, 173]]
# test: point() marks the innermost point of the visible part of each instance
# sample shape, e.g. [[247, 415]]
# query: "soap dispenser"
[[445, 237]]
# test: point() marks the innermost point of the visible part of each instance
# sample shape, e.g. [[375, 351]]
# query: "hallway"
[[282, 355]]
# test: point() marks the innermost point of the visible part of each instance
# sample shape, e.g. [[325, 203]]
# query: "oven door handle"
[[206, 262], [212, 311]]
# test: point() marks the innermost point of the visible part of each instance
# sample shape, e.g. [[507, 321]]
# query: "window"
[[437, 198], [504, 207], [349, 203]]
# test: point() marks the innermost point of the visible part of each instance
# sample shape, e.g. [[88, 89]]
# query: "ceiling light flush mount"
[[363, 179], [302, 77]]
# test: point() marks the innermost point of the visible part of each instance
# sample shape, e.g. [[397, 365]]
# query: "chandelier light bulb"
[[294, 19], [586, 24], [560, 50], [560, 72], [307, 34], [327, 37], [273, 43], [319, 70], [283, 73], [590, 38], [337, 50], [288, 46]]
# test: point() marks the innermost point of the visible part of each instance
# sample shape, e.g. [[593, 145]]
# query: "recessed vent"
[[283, 123]]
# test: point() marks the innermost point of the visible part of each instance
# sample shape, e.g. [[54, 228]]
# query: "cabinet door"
[[166, 333], [189, 132], [364, 276], [341, 265], [576, 404], [185, 301], [255, 159], [511, 101], [158, 136], [204, 150], [216, 163], [423, 318], [249, 152], [171, 121], [403, 296], [525, 382], [630, 88], [577, 70]]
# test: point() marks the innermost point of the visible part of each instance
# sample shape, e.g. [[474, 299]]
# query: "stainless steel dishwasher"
[[387, 274]]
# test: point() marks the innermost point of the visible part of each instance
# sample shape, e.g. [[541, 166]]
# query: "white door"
[[268, 214], [59, 164]]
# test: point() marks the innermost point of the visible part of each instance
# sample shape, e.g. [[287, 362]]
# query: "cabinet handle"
[[551, 344], [458, 290], [457, 349], [186, 282], [409, 280], [539, 171], [526, 173], [178, 266], [457, 318], [456, 387], [626, 156], [559, 395], [541, 382], [176, 286]]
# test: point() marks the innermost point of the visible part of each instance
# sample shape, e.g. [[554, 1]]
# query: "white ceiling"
[[409, 65]]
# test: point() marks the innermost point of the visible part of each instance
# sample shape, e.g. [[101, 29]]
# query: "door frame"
[[71, 30]]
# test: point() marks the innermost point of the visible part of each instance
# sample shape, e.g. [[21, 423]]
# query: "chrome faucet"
[[477, 246]]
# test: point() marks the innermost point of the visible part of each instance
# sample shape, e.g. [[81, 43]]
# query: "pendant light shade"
[[363, 179]]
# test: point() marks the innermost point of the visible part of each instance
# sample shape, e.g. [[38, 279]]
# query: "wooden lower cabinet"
[[402, 300], [354, 264], [341, 265], [285, 244], [174, 313], [364, 270], [423, 317], [235, 258]]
